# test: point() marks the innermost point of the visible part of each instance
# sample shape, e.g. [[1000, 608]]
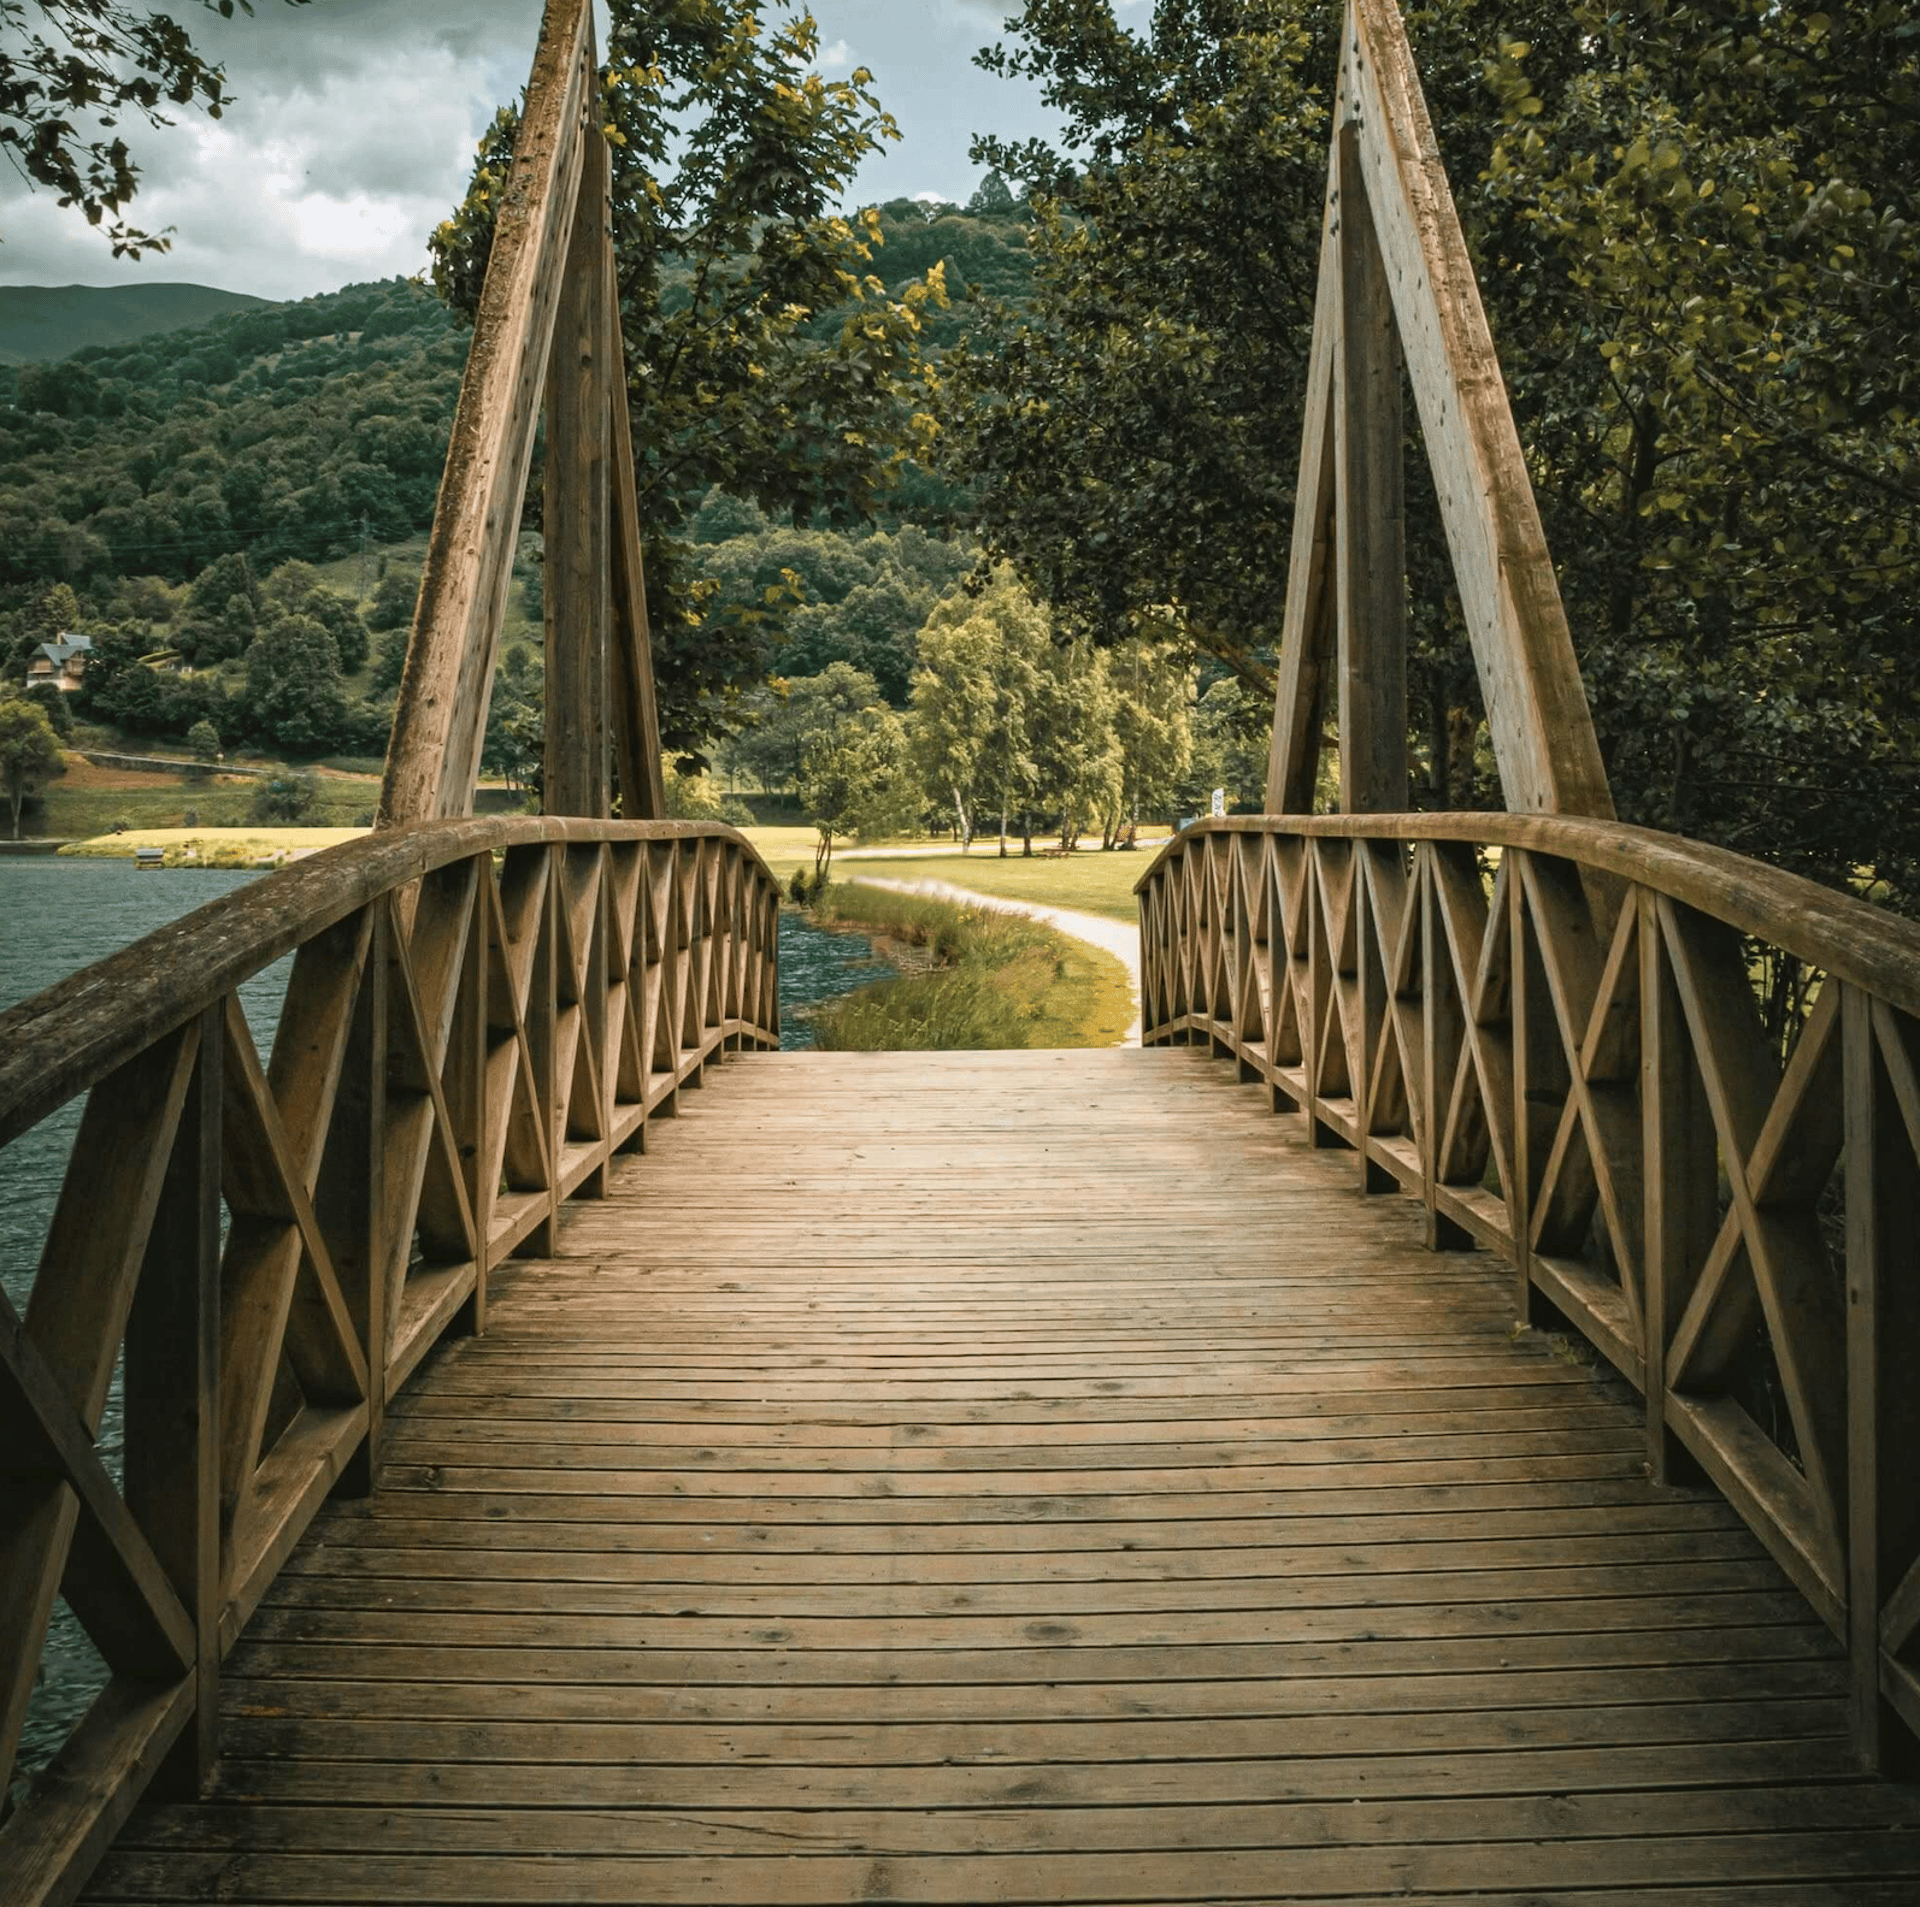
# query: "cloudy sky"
[[354, 124]]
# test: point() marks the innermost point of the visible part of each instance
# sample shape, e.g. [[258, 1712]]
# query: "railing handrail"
[[78, 1030], [1840, 934], [1706, 1162]]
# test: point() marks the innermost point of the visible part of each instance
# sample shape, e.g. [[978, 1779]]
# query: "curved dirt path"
[[1110, 936]]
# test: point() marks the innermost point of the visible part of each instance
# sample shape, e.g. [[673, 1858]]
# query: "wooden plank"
[[1044, 1454]]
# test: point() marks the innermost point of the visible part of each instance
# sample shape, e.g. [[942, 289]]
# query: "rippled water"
[[59, 915]]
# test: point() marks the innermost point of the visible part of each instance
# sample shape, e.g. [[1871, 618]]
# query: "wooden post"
[[1681, 1170], [1883, 1328], [1443, 1033], [1540, 1082], [349, 1199], [172, 1380], [579, 553], [1370, 551]]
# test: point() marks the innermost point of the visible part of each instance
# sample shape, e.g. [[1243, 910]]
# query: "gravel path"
[[1110, 936]]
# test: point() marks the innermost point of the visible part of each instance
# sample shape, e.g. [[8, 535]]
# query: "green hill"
[[41, 322]]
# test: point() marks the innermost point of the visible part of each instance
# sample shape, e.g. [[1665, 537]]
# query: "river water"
[[59, 915]]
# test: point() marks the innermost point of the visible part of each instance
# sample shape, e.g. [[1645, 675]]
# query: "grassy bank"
[[90, 800], [977, 980], [214, 847]]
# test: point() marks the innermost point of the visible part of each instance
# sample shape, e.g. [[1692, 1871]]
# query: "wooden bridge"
[[573, 1453]]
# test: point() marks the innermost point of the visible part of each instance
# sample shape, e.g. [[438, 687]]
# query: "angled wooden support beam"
[[1370, 560], [1395, 279], [1543, 739], [1293, 766], [636, 726], [578, 503], [435, 750]]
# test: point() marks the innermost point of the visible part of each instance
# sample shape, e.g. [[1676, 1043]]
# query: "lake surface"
[[57, 916]]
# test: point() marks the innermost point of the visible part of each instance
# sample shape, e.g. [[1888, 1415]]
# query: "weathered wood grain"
[[1043, 1478]]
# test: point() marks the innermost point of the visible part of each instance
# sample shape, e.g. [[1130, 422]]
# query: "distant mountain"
[[41, 322]]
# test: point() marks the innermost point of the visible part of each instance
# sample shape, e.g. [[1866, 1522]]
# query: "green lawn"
[[1089, 882], [79, 813]]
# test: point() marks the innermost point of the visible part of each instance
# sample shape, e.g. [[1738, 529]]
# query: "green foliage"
[[98, 60], [288, 799], [998, 981], [857, 778], [42, 323], [783, 718], [515, 740], [279, 430], [204, 739], [696, 798], [294, 697], [394, 596], [729, 155], [295, 589], [52, 703], [1232, 734], [29, 753], [1697, 233], [841, 597], [973, 700]]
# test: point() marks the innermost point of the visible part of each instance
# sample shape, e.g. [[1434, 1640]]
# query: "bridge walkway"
[[1019, 1477]]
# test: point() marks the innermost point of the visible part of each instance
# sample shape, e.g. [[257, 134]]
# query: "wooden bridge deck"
[[1029, 1477]]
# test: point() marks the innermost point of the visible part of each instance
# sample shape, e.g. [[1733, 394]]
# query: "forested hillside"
[[42, 322], [170, 496], [286, 431]]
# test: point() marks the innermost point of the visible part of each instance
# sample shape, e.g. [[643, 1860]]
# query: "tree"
[[295, 699], [1232, 728], [295, 589], [858, 779], [1697, 235], [1076, 749], [52, 702], [98, 60], [783, 718], [1152, 685], [204, 739], [287, 798], [515, 739], [223, 611], [1132, 430], [973, 697], [29, 753], [394, 597], [765, 356]]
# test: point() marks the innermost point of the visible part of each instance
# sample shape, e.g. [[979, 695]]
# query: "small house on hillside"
[[63, 661]]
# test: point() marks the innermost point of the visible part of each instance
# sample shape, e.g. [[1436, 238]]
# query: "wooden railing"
[[480, 1014], [1549, 1032]]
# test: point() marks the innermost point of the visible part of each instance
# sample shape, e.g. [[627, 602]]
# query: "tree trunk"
[[17, 799], [1003, 833], [966, 826], [1026, 837]]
